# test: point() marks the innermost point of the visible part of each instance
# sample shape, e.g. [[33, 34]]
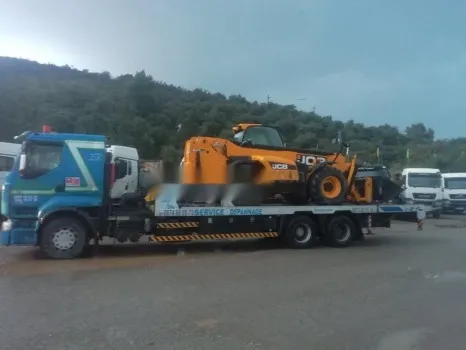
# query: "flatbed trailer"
[[297, 226], [66, 232]]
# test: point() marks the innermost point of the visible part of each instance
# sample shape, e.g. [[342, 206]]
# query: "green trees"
[[137, 111]]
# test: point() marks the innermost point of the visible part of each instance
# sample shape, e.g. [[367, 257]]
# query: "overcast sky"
[[374, 61]]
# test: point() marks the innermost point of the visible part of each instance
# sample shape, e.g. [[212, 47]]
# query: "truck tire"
[[301, 232], [327, 186], [340, 231], [64, 238], [436, 214]]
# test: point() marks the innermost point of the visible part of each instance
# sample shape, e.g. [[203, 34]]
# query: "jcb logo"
[[310, 160], [279, 166]]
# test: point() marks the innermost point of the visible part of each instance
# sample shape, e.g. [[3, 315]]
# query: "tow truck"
[[58, 197]]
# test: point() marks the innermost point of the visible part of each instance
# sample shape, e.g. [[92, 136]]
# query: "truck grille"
[[24, 211], [458, 196], [426, 196]]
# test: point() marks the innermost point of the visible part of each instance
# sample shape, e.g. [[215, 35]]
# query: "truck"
[[423, 186], [58, 197], [454, 192]]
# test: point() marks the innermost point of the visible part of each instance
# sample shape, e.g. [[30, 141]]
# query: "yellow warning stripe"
[[178, 225], [196, 237]]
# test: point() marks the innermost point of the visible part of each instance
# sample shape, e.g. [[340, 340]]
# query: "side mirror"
[[22, 162]]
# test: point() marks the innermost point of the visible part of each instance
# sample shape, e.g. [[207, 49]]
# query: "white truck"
[[131, 173], [8, 153], [454, 192], [423, 186]]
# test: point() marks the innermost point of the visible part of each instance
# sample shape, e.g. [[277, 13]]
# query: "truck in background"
[[454, 192], [58, 196], [8, 153], [423, 186]]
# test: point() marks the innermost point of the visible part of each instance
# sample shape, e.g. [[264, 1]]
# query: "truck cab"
[[55, 173], [126, 175], [423, 186], [454, 192]]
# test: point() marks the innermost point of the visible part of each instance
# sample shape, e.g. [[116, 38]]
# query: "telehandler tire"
[[327, 186]]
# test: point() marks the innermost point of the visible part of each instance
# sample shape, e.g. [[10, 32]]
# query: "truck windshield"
[[455, 183], [424, 180], [260, 135], [41, 158]]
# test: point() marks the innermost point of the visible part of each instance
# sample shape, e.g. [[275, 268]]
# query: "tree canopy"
[[136, 110]]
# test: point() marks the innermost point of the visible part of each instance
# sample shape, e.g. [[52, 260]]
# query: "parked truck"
[[423, 186], [454, 192], [59, 197]]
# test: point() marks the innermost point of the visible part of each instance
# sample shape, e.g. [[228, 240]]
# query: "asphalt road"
[[400, 289]]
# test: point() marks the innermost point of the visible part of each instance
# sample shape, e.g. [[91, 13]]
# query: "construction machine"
[[258, 157]]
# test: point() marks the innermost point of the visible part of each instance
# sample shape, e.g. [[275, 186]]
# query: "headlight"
[[7, 225]]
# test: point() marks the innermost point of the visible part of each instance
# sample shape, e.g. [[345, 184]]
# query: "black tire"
[[316, 186], [340, 231], [74, 238], [301, 232], [436, 214]]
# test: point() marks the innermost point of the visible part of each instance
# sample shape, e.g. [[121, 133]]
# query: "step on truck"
[[58, 197]]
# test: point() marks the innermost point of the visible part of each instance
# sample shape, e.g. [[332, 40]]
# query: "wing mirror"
[[22, 162]]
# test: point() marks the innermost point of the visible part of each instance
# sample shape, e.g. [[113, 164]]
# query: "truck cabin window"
[[41, 158], [455, 183], [122, 167], [424, 180], [260, 136], [6, 163]]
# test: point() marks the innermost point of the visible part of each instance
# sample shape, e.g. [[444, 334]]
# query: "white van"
[[423, 186], [454, 192], [8, 154]]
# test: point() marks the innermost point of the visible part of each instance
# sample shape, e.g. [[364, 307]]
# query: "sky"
[[373, 61]]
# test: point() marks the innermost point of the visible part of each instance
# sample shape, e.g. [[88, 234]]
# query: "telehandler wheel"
[[327, 186], [301, 232], [340, 231]]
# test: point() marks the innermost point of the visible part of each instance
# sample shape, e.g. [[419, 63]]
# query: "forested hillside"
[[138, 111]]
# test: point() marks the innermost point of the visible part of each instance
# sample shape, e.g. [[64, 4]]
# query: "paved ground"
[[401, 289]]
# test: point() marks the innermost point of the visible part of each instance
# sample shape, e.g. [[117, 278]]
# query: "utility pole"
[[268, 99]]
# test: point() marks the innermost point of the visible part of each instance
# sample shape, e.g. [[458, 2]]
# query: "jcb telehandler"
[[258, 158]]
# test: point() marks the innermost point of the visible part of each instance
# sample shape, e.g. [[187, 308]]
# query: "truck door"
[[122, 177], [133, 174]]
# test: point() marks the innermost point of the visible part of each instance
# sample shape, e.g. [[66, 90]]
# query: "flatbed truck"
[[57, 197]]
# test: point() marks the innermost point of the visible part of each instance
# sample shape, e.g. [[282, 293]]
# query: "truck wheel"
[[340, 231], [301, 232], [328, 186], [64, 238], [436, 214]]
